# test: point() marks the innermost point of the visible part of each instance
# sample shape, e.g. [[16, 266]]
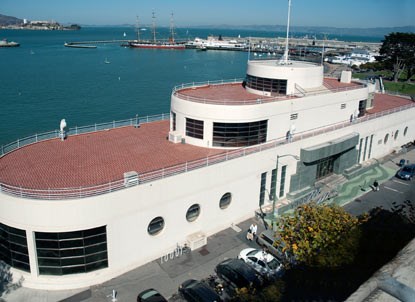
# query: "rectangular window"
[[294, 116], [364, 152], [360, 150], [275, 86], [13, 247], [71, 252], [370, 146], [262, 188], [194, 128], [239, 134], [273, 189], [173, 121], [282, 180]]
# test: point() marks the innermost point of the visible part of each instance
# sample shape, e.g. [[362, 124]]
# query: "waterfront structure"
[[93, 206], [170, 44]]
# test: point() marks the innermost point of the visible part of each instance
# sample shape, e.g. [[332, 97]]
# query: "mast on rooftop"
[[284, 59]]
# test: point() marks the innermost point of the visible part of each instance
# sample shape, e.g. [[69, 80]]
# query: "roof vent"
[[131, 179], [346, 76]]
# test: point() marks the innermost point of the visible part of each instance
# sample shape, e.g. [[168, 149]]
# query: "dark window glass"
[[72, 252], [282, 180], [47, 270], [225, 201], [194, 128], [69, 252], [73, 261], [173, 120], [239, 134], [273, 184], [155, 226], [262, 188], [73, 270], [275, 86], [193, 212], [13, 247]]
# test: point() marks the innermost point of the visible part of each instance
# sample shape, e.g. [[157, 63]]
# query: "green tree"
[[319, 235], [398, 54]]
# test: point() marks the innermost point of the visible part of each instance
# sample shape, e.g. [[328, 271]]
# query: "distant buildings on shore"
[[40, 25]]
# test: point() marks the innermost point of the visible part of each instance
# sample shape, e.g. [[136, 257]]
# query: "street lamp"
[[274, 198]]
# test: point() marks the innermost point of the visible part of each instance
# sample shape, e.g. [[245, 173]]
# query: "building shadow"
[[6, 281], [384, 234]]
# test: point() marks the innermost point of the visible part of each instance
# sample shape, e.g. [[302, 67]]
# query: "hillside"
[[8, 20]]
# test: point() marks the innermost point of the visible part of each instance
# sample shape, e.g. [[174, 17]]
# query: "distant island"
[[8, 22]]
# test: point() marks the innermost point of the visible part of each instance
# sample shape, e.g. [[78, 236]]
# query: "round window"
[[193, 212], [396, 135], [225, 200], [155, 226], [386, 138], [405, 131]]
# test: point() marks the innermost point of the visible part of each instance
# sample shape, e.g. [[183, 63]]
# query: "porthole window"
[[155, 226], [396, 135], [386, 138], [405, 131], [193, 212], [225, 200]]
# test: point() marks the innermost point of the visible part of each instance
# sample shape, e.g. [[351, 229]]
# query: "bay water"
[[42, 82]]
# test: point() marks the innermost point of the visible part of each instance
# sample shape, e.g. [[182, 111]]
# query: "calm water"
[[42, 81]]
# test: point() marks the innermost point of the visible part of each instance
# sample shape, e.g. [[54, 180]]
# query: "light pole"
[[274, 199]]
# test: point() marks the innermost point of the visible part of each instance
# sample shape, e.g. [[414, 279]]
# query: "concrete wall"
[[128, 212]]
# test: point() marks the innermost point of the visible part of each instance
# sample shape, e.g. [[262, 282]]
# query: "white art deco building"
[[80, 211]]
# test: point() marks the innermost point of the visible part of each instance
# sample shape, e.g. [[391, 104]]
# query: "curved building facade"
[[83, 210]]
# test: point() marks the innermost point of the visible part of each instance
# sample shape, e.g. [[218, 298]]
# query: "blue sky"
[[334, 13]]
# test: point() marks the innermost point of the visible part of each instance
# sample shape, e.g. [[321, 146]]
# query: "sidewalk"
[[166, 276]]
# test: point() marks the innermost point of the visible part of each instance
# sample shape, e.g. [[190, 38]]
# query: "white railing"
[[302, 92], [115, 185], [80, 130]]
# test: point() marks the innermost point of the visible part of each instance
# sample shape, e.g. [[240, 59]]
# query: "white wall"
[[128, 212]]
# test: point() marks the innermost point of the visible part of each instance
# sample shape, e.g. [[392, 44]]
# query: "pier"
[[257, 43]]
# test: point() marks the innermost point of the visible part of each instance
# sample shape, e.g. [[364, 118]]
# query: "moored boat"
[[5, 43], [169, 44], [75, 45]]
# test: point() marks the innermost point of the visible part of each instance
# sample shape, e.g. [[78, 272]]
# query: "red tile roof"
[[96, 158], [384, 102]]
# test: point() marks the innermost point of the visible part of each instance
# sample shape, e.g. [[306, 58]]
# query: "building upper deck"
[[94, 163], [233, 92]]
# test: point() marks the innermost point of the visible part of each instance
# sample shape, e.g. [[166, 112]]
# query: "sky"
[[334, 13]]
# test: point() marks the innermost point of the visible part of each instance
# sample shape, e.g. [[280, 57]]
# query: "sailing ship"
[[169, 44]]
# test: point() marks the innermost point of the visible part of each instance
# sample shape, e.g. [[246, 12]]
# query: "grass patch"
[[405, 88]]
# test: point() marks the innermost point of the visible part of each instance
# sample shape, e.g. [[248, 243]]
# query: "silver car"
[[264, 263]]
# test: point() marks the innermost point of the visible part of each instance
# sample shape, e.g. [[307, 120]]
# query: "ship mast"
[[284, 59], [154, 28], [138, 29], [171, 28]]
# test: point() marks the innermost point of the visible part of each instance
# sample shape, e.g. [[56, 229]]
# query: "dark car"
[[150, 295], [406, 172], [197, 291], [237, 274]]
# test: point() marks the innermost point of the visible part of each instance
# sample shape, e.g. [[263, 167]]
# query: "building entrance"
[[325, 167]]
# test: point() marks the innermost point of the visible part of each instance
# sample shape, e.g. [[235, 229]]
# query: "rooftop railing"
[[118, 184], [80, 130], [301, 92]]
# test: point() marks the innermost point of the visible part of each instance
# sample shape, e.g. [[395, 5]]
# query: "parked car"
[[196, 291], [406, 172], [264, 263], [237, 274], [266, 240], [150, 295], [402, 162]]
